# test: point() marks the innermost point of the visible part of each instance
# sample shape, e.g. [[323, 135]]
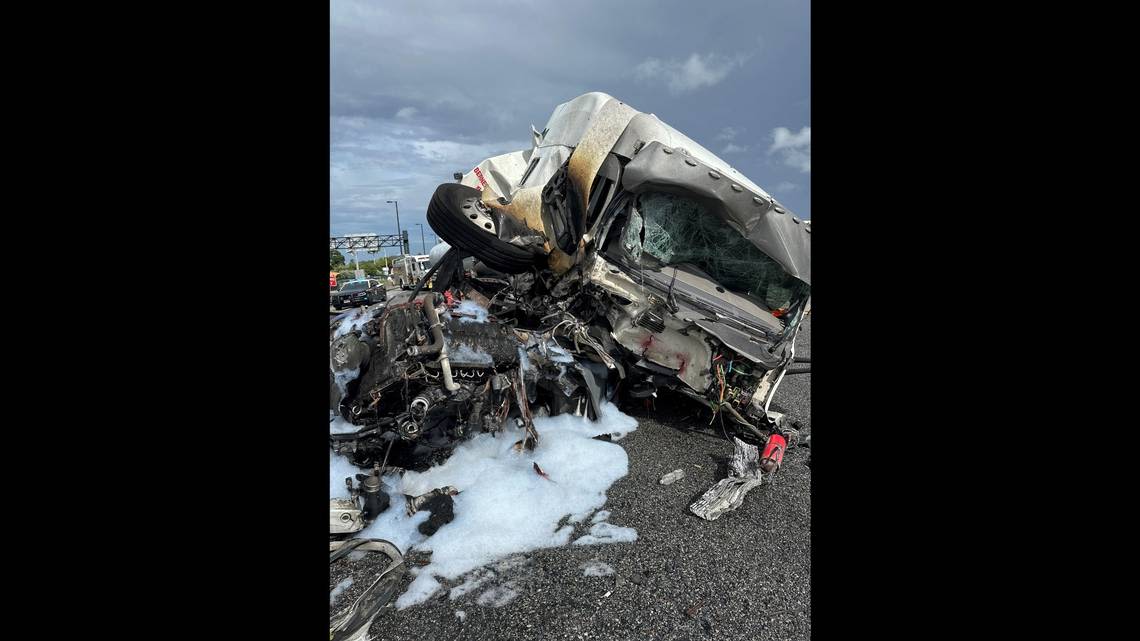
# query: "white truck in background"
[[408, 269]]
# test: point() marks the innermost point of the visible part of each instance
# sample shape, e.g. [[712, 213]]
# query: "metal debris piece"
[[345, 516], [728, 494], [413, 504], [672, 477], [543, 474], [352, 623], [745, 461]]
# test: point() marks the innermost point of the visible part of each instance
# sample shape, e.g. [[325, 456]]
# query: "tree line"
[[372, 268]]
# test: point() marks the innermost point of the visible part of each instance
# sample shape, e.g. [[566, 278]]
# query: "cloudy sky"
[[421, 89]]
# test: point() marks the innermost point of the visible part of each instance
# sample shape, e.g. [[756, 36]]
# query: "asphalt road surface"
[[743, 576]]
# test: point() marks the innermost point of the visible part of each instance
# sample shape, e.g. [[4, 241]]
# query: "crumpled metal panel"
[[686, 355], [768, 225], [647, 128], [563, 132], [500, 173], [596, 124], [570, 120], [605, 128]]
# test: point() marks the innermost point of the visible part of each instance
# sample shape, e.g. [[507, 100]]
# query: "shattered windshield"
[[665, 229]]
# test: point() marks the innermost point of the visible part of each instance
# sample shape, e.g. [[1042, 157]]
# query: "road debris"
[[438, 502], [352, 623], [728, 493], [543, 474], [672, 477], [773, 454]]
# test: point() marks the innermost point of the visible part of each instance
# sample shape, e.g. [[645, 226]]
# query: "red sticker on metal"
[[482, 180]]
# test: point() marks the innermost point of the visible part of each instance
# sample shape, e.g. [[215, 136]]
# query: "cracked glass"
[[675, 230]]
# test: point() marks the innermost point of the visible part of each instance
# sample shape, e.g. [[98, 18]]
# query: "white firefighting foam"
[[504, 507]]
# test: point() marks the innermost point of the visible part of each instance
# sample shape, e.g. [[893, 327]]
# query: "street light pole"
[[399, 234], [423, 248]]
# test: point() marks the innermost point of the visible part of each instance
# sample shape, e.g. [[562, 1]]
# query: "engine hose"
[[741, 420], [444, 364], [436, 332]]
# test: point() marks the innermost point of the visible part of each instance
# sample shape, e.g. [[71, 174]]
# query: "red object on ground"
[[773, 453]]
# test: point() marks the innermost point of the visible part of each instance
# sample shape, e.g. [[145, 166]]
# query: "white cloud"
[[406, 112], [372, 161], [732, 148], [794, 148], [728, 133], [687, 75], [786, 186]]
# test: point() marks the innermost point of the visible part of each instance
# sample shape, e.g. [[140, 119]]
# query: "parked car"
[[359, 292]]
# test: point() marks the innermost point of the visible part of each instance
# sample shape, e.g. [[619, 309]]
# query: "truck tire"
[[447, 216]]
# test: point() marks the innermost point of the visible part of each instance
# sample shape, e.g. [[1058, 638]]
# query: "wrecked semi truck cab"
[[614, 254], [702, 278]]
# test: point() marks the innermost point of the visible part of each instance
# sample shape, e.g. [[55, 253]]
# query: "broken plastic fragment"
[[672, 477]]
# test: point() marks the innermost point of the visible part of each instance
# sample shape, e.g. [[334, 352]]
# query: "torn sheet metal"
[[352, 623], [728, 494]]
